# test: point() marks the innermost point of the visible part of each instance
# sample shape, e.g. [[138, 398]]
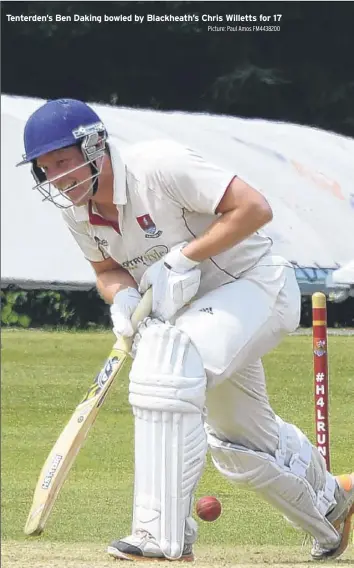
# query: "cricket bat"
[[70, 441]]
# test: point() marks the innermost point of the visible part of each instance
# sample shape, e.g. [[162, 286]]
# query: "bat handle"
[[143, 309]]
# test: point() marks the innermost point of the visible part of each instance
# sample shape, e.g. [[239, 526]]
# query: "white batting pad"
[[167, 393], [294, 481]]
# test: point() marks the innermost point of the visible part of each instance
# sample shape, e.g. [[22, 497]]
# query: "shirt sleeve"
[[192, 182], [80, 231]]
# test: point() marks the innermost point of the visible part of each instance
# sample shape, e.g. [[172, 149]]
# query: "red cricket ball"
[[208, 508]]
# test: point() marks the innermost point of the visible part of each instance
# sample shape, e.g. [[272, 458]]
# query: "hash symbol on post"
[[320, 377]]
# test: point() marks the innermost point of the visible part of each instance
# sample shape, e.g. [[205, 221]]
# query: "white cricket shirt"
[[165, 194]]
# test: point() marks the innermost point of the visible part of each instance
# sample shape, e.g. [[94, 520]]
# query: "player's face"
[[65, 169]]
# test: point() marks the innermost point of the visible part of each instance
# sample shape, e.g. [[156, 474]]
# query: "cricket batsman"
[[158, 215]]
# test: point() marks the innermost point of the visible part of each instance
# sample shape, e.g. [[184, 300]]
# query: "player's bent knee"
[[293, 480], [167, 371]]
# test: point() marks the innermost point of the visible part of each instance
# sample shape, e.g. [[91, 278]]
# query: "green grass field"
[[45, 374]]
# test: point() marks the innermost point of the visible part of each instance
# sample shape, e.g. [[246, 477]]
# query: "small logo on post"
[[320, 348], [148, 226]]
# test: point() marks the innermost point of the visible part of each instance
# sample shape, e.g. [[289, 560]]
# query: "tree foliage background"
[[302, 74]]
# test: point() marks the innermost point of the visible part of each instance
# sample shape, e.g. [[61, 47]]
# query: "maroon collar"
[[95, 219]]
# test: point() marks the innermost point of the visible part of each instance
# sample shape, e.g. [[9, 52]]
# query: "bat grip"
[[143, 309]]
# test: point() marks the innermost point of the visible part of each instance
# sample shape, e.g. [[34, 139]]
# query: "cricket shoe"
[[340, 517], [142, 546]]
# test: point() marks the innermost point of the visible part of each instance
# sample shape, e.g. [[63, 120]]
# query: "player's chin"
[[80, 198], [81, 202]]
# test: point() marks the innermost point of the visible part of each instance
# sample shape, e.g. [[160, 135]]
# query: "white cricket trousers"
[[233, 327]]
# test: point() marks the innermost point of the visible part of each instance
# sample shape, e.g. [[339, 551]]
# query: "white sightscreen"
[[306, 174]]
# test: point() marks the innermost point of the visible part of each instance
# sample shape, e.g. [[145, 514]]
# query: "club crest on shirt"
[[148, 226]]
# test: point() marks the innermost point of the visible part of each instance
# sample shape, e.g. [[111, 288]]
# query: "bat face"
[[111, 366], [62, 456], [66, 448], [51, 472]]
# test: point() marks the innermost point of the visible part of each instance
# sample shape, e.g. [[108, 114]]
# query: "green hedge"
[[82, 310], [40, 308]]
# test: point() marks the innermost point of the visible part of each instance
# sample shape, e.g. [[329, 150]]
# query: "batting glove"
[[142, 327], [175, 280], [124, 304]]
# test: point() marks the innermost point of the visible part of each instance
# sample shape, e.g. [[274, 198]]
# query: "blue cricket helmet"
[[55, 125], [58, 124]]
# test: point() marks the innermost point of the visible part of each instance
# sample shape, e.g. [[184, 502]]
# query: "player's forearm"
[[112, 281], [227, 230]]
